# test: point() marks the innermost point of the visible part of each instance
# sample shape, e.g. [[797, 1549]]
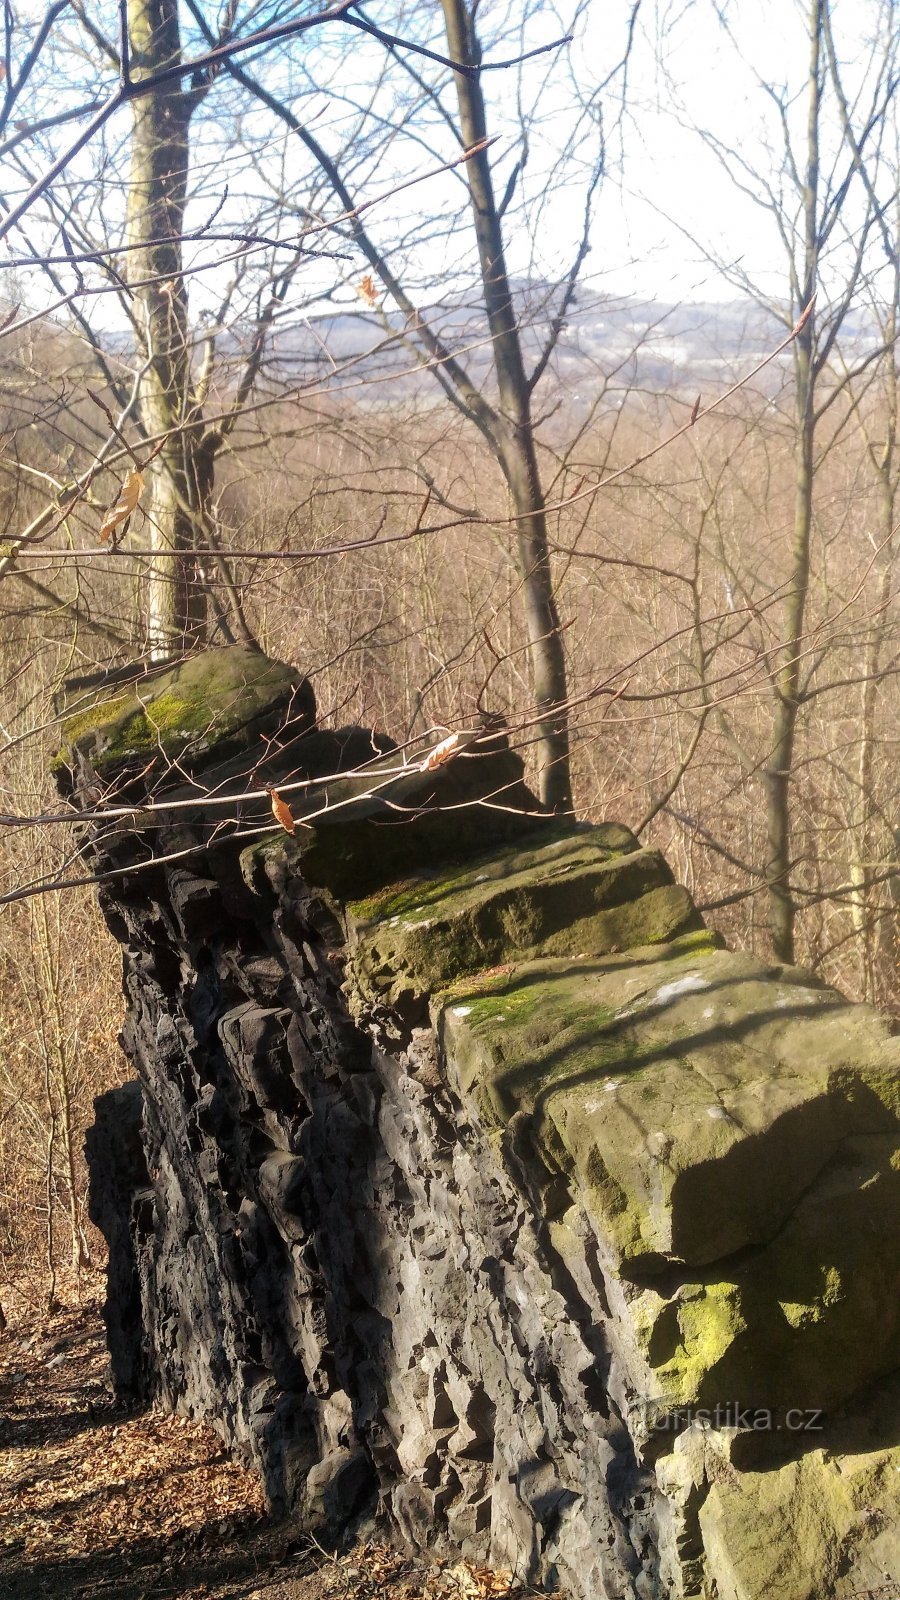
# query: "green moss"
[[498, 1001], [700, 942], [415, 899], [709, 1324], [687, 1338], [821, 1524], [84, 723], [801, 1314], [522, 1043], [572, 896], [880, 1078], [494, 980], [219, 699]]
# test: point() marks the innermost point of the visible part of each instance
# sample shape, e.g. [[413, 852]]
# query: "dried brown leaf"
[[803, 318], [281, 811], [129, 496], [367, 290], [441, 753]]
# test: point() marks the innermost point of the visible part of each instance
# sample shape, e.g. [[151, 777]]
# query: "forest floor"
[[105, 1504]]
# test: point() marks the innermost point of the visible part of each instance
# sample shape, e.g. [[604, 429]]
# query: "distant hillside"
[[655, 345]]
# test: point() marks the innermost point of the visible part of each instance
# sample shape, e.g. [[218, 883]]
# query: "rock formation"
[[468, 1182]]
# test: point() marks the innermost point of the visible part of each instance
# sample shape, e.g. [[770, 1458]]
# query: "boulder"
[[731, 1131], [220, 701], [592, 890]]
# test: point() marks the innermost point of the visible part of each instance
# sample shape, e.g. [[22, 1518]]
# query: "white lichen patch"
[[689, 984]]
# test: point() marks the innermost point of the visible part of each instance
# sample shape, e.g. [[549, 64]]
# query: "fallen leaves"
[[152, 1478], [380, 1561], [129, 496], [99, 1502], [67, 1492], [378, 1572], [480, 1583]]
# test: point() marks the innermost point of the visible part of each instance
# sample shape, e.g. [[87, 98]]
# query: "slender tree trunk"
[[778, 773], [156, 202], [47, 944], [865, 832], [49, 1188], [516, 446]]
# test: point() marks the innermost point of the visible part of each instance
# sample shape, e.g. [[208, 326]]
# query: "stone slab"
[[585, 891]]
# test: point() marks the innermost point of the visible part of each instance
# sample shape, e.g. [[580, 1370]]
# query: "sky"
[[669, 222], [674, 195], [675, 203]]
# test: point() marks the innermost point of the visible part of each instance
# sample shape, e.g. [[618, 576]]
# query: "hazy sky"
[[687, 70], [659, 210]]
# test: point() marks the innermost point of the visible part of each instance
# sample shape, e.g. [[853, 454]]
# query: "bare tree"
[[165, 87], [823, 201], [498, 403], [157, 193], [875, 398]]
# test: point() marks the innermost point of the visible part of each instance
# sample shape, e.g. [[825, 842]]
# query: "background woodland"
[[306, 341]]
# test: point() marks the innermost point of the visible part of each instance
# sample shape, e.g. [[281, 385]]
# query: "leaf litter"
[[99, 1503]]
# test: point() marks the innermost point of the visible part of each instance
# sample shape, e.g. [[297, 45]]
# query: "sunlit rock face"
[[468, 1183]]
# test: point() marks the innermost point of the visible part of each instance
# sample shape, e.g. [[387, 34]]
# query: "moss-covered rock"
[[806, 1320], [822, 1525], [674, 1082], [732, 1132], [585, 891], [216, 703], [387, 820]]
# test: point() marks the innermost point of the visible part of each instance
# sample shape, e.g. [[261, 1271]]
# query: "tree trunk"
[[159, 168], [516, 446], [866, 829], [778, 773]]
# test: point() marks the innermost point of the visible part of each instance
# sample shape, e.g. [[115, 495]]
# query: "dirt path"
[[98, 1503]]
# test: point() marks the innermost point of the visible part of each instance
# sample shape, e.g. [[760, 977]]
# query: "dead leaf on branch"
[[128, 498], [441, 753], [367, 290], [281, 811]]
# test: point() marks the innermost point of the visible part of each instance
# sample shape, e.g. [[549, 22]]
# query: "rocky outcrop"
[[479, 1189]]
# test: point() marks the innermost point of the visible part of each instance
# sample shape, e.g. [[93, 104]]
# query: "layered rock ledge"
[[468, 1183]]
